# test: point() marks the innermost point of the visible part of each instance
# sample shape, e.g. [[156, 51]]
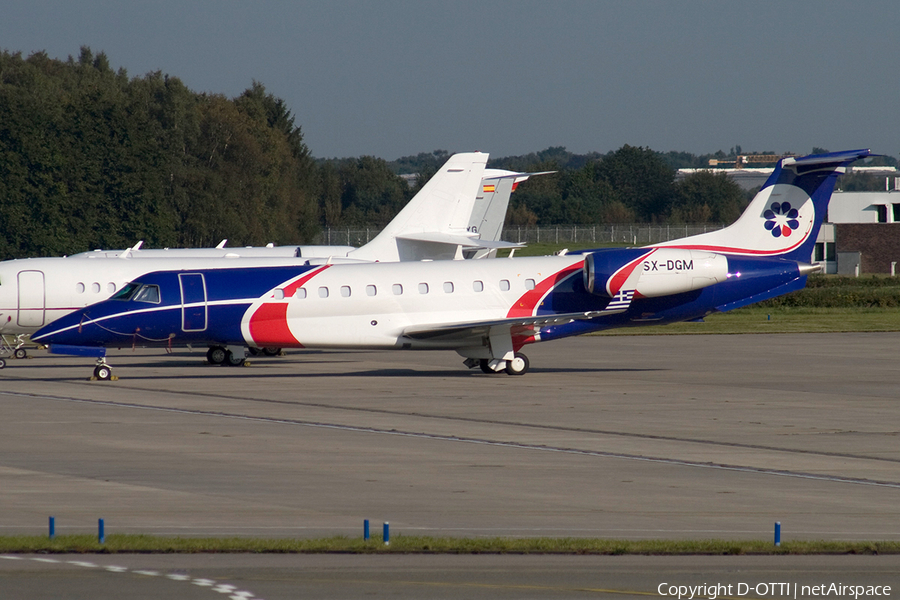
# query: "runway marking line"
[[500, 586], [222, 588]]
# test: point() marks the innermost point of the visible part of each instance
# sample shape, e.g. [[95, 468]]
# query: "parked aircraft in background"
[[220, 251], [485, 225], [487, 310], [434, 224]]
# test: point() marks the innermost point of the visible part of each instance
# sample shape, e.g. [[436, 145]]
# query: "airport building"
[[861, 233]]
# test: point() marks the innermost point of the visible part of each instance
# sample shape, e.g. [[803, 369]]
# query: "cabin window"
[[95, 287], [300, 293], [79, 287], [148, 293], [529, 284], [345, 291], [323, 292], [371, 290], [504, 285], [448, 287], [397, 289], [279, 294], [478, 286], [423, 288], [110, 288]]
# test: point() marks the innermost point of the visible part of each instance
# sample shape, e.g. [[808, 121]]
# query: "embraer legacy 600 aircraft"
[[459, 211], [485, 310]]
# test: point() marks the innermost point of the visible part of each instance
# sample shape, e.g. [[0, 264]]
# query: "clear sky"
[[395, 78]]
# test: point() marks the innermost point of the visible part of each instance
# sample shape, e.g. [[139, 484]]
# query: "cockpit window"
[[148, 293], [126, 292]]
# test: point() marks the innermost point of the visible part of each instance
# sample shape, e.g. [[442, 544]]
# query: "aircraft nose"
[[58, 332]]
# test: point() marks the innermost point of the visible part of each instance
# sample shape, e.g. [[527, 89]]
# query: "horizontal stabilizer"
[[457, 240], [832, 158]]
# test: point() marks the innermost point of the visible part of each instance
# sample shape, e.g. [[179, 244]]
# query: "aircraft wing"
[[520, 326]]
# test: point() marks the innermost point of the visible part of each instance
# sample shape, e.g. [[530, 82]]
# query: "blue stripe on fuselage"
[[752, 280], [229, 293]]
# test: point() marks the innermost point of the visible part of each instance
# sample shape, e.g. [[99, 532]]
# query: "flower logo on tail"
[[781, 219]]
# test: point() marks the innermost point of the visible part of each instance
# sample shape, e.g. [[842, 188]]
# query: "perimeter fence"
[[622, 233]]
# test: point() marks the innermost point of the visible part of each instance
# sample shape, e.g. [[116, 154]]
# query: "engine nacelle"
[[653, 272]]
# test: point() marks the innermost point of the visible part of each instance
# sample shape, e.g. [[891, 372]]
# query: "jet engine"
[[652, 272]]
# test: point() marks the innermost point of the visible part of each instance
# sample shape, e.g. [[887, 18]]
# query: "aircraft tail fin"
[[784, 218], [442, 206], [491, 206]]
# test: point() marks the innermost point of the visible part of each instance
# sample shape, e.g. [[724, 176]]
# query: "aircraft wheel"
[[20, 353], [271, 351], [103, 372], [215, 355], [518, 365], [483, 365], [254, 351], [233, 360], [2, 363]]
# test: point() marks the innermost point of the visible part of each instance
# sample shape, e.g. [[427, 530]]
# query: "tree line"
[[90, 158]]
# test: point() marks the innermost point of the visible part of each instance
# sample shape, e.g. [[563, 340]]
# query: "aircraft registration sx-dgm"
[[485, 310]]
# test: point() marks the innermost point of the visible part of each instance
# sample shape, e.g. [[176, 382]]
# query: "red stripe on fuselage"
[[291, 289], [528, 303], [621, 276], [743, 251], [268, 325]]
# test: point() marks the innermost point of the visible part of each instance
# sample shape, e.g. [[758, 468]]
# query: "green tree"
[[371, 193], [642, 181], [706, 197]]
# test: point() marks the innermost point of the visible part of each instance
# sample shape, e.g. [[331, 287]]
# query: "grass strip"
[[128, 543], [778, 320]]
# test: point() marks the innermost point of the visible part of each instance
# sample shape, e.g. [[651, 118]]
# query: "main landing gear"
[[223, 355], [265, 351], [517, 366]]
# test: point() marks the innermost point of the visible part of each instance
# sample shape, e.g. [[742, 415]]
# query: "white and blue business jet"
[[459, 213], [487, 310]]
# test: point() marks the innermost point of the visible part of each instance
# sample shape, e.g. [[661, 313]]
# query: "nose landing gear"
[[103, 372]]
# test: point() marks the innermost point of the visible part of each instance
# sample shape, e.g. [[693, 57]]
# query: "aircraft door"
[[31, 299], [193, 301]]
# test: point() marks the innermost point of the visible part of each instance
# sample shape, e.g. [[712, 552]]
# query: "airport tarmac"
[[622, 437], [414, 577]]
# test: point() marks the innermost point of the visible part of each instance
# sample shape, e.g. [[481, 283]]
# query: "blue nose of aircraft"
[[75, 329]]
